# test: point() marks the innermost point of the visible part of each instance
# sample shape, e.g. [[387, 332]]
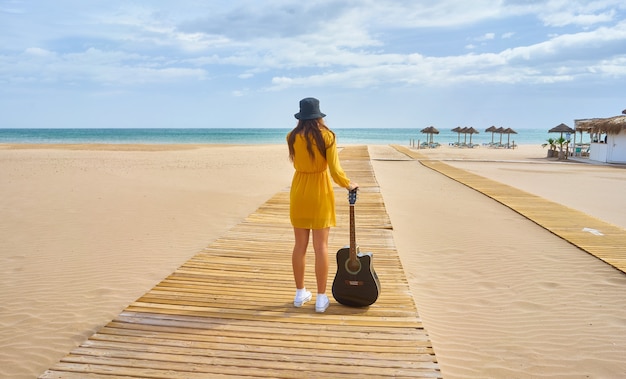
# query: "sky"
[[371, 63]]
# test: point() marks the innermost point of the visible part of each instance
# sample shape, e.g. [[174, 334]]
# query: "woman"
[[313, 151]]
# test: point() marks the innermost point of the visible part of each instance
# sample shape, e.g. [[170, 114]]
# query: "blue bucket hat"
[[309, 109]]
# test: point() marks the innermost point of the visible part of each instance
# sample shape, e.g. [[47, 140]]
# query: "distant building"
[[607, 138]]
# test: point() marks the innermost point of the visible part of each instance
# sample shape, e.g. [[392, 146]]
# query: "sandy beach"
[[88, 229]]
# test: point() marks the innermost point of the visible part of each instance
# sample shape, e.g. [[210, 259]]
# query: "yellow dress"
[[312, 199]]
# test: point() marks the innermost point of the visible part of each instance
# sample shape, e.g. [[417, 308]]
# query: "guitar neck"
[[352, 234]]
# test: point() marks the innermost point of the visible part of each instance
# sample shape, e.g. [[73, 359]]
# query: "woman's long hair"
[[312, 131]]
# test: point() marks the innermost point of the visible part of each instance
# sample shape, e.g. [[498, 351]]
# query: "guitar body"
[[355, 289]]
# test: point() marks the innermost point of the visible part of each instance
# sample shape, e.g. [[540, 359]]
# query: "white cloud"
[[559, 59], [613, 68], [95, 67], [582, 13], [486, 37], [412, 14], [39, 52]]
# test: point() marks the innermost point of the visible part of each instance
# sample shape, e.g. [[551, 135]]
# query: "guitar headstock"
[[352, 196]]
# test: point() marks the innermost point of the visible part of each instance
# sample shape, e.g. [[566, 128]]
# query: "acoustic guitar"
[[356, 283]]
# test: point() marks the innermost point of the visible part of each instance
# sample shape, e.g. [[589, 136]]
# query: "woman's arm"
[[336, 171]]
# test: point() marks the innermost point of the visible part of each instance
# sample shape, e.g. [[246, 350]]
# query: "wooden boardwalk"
[[228, 312], [598, 238]]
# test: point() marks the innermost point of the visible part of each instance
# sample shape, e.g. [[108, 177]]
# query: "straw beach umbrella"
[[508, 132], [561, 128], [464, 131], [500, 131], [471, 131], [457, 130], [492, 129], [430, 131]]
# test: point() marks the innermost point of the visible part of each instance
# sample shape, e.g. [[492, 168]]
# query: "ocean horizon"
[[367, 136]]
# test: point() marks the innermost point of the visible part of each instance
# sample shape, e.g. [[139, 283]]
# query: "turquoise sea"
[[369, 136]]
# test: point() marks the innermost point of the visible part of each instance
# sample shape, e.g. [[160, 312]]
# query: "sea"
[[366, 136]]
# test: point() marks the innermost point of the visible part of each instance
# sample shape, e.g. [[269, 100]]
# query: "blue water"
[[253, 136]]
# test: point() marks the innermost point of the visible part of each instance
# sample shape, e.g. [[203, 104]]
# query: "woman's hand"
[[353, 186]]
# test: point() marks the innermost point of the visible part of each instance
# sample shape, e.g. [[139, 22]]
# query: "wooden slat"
[[227, 312], [567, 223]]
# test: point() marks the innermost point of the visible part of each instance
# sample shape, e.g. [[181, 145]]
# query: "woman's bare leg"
[[298, 257], [320, 246]]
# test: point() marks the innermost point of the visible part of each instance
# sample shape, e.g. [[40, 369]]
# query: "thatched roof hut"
[[611, 125], [611, 148], [584, 125]]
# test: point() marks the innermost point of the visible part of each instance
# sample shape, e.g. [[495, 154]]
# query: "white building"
[[607, 138]]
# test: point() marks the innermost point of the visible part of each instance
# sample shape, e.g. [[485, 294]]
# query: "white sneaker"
[[321, 303], [298, 301]]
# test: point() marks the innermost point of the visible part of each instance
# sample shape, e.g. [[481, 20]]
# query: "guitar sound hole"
[[353, 267]]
